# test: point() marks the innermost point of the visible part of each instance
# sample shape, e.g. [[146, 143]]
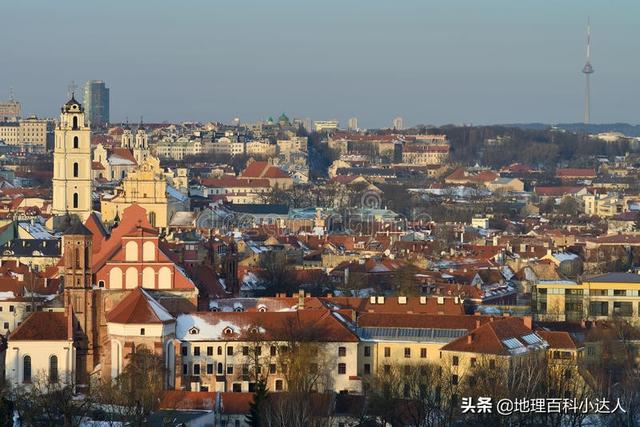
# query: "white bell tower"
[[72, 186], [141, 148]]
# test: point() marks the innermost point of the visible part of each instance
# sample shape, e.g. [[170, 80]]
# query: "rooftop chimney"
[[470, 338], [301, 299], [528, 322]]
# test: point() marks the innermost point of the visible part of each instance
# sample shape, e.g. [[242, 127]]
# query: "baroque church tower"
[[141, 147], [72, 185]]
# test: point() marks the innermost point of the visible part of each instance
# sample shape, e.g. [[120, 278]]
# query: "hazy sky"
[[431, 62]]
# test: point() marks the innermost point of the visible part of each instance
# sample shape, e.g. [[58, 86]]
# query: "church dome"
[[72, 106]]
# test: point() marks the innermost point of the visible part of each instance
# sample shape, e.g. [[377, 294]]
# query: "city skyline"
[[432, 63]]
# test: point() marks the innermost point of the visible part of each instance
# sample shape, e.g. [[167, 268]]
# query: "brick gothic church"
[[101, 272]]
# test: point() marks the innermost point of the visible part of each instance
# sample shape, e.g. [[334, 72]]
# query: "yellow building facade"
[[147, 187]]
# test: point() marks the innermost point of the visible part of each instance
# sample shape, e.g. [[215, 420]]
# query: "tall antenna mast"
[[587, 70]]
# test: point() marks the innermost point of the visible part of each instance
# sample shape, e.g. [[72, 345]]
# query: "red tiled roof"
[[43, 326], [232, 181], [576, 173], [462, 175], [188, 400], [392, 305], [275, 172], [255, 169], [235, 403], [437, 321], [97, 166], [489, 337], [138, 307], [281, 325], [558, 339], [557, 191], [124, 153]]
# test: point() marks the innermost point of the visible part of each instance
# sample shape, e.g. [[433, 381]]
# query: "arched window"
[[131, 251], [75, 122], [75, 169], [219, 368], [75, 200], [122, 173], [148, 251], [53, 369], [26, 369], [77, 258], [76, 142]]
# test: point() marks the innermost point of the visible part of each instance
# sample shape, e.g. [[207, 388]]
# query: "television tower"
[[587, 70]]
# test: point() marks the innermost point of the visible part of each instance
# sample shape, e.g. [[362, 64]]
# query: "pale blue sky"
[[432, 62]]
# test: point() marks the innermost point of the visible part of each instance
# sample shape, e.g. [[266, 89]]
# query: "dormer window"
[[227, 331], [194, 331]]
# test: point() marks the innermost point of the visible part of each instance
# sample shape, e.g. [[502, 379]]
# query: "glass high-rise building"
[[96, 102]]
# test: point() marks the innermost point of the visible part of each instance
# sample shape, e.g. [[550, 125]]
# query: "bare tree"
[[134, 394], [46, 402]]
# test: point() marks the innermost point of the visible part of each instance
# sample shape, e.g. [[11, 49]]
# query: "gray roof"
[[410, 334], [31, 247], [615, 277]]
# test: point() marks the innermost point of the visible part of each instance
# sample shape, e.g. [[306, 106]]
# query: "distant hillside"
[[625, 128]]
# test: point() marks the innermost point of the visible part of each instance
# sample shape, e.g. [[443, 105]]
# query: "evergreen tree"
[[256, 407]]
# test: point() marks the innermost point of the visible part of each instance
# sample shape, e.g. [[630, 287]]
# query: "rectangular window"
[[209, 351], [342, 368], [455, 361], [11, 308], [342, 351], [245, 350], [196, 369], [387, 369], [387, 352], [196, 351], [279, 385], [492, 364], [183, 350], [367, 369], [209, 368], [230, 351], [185, 369], [6, 325], [473, 361], [407, 352], [237, 387], [423, 353], [272, 368], [229, 369], [454, 379], [367, 351], [273, 350]]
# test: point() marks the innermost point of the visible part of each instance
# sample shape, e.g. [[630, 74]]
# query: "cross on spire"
[[71, 89]]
